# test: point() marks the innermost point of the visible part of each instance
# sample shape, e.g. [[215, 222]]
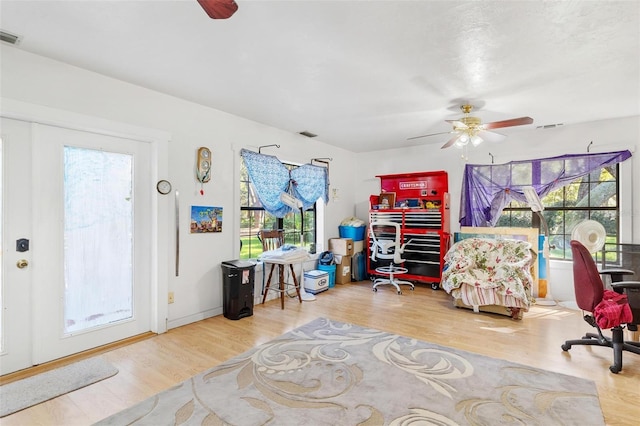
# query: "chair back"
[[271, 240], [386, 242], [587, 282]]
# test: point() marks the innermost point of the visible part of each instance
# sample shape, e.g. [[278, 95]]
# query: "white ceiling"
[[363, 75]]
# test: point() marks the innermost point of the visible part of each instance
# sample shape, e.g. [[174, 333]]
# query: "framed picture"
[[205, 219], [387, 200]]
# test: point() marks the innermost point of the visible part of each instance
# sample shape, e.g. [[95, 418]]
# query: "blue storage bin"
[[331, 269], [356, 233]]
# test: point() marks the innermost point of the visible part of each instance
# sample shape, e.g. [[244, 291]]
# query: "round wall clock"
[[163, 187]]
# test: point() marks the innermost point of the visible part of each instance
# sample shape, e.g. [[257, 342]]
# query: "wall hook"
[[491, 157], [589, 146], [266, 146]]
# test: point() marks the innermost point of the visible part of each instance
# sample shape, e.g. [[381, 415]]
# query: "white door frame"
[[160, 208]]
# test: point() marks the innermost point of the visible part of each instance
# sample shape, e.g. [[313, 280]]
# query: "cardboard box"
[[343, 269], [358, 246], [341, 246]]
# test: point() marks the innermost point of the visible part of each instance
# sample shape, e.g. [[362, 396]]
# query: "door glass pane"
[[98, 238]]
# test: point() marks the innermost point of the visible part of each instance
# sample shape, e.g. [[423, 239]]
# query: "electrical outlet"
[[171, 298]]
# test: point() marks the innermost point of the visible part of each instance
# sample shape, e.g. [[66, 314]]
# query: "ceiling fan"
[[470, 129], [219, 9]]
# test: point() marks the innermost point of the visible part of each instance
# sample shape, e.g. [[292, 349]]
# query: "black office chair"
[[589, 290]]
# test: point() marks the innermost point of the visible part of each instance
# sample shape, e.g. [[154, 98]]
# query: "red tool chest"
[[421, 207]]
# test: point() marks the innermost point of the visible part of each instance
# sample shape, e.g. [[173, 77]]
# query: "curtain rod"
[[324, 160], [266, 146]]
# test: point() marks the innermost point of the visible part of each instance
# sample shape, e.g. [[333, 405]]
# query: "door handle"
[[22, 263]]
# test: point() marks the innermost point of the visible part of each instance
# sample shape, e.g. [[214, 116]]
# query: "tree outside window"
[[594, 196], [254, 218]]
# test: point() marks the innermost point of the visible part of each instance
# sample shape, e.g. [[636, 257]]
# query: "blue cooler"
[[316, 281], [331, 270]]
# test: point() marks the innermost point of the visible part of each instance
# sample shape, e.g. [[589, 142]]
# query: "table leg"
[[282, 286], [295, 282], [266, 288]]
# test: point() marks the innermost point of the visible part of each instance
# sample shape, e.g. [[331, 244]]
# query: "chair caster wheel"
[[411, 288], [399, 292], [565, 347], [375, 289], [614, 369], [434, 286]]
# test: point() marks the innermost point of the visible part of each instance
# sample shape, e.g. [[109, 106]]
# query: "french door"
[[81, 201]]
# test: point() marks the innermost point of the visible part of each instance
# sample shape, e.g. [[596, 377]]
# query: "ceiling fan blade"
[[219, 9], [431, 134], [508, 123], [457, 123], [450, 142], [492, 137]]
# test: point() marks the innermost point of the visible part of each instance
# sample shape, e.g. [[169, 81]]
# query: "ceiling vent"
[[549, 126], [9, 38], [308, 134]]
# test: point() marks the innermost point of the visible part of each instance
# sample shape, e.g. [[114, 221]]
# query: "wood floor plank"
[[152, 365]]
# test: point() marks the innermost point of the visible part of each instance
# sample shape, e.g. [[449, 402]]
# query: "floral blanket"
[[487, 271]]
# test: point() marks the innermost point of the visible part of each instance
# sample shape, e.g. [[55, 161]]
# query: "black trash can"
[[237, 279]]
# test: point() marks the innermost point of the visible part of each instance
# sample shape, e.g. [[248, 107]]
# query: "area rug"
[[331, 373], [42, 387]]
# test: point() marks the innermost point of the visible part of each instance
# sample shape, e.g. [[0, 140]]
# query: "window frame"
[[559, 241], [268, 221]]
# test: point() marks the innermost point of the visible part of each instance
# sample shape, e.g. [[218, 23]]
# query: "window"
[[253, 218], [594, 196]]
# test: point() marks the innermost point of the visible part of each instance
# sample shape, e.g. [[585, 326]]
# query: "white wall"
[[607, 135], [198, 289]]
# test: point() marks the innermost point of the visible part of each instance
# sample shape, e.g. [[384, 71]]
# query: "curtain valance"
[[271, 178], [487, 189]]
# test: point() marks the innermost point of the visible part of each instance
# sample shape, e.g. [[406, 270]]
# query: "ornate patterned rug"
[[331, 373]]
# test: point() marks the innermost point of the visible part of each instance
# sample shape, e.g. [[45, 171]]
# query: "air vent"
[[9, 38], [308, 134], [549, 126]]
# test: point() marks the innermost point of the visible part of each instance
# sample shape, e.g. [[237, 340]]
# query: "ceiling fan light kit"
[[470, 129]]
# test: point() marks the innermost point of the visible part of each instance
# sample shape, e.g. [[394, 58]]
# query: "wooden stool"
[[282, 287]]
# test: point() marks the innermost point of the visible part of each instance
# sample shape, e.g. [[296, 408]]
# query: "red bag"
[[613, 310]]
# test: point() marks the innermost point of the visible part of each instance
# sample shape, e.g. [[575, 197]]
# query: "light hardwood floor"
[[157, 363]]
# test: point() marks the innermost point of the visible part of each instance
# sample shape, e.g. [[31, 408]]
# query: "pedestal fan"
[[537, 207], [590, 234]]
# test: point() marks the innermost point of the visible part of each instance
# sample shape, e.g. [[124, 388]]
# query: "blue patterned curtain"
[[487, 189], [270, 178]]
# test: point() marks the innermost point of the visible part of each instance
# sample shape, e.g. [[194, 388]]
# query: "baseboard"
[[61, 362], [179, 322]]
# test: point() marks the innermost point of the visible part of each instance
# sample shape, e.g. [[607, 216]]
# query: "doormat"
[[42, 387]]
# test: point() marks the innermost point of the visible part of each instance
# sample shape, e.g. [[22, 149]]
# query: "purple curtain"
[[487, 189]]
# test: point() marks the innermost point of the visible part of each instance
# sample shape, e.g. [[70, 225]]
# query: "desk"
[[282, 264]]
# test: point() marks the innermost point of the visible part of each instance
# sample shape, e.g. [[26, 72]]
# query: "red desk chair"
[[589, 291]]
